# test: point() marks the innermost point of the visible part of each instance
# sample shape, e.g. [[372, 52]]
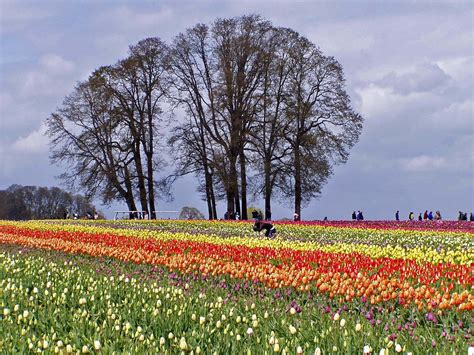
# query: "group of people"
[[427, 216], [89, 215], [463, 216], [357, 216], [231, 216], [270, 230]]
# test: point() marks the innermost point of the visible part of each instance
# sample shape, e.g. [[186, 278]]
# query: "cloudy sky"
[[409, 69]]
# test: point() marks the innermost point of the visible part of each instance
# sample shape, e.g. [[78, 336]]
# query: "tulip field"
[[218, 287]]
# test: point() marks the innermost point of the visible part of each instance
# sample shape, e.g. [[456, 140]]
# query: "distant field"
[[213, 286]]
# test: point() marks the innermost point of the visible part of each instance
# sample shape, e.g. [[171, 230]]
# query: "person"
[[325, 219], [464, 216], [397, 216], [237, 216], [471, 217], [411, 216], [354, 217], [270, 230], [296, 217], [226, 215], [420, 218], [437, 216], [96, 215], [430, 215], [360, 216], [425, 215], [255, 214]]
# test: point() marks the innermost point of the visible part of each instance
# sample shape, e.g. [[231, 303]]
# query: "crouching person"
[[270, 230]]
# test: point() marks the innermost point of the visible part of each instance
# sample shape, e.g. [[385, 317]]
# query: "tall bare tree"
[[192, 66], [150, 57], [323, 125], [239, 44], [217, 73], [87, 136], [268, 132]]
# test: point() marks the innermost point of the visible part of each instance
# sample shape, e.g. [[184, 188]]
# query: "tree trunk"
[[230, 203], [268, 190], [213, 202], [208, 180], [150, 153], [140, 176], [151, 189], [237, 199], [243, 184], [232, 187], [297, 180], [129, 193]]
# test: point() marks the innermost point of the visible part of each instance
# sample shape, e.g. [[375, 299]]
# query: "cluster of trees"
[[190, 213], [266, 115], [32, 202]]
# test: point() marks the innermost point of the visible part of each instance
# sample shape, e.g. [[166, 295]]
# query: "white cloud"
[[457, 117], [55, 64], [52, 76], [423, 77], [132, 20], [16, 15], [34, 143], [378, 102], [460, 68], [339, 39], [423, 163]]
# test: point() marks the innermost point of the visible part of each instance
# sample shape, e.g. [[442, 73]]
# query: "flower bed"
[[313, 287]]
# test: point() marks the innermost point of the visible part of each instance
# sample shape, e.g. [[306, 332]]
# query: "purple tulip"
[[431, 317]]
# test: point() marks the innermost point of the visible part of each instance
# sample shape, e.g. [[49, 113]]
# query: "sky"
[[409, 68]]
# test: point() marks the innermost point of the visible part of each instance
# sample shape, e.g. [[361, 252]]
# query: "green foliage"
[[190, 213], [34, 202]]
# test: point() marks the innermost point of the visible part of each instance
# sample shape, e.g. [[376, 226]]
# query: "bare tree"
[[87, 136], [323, 126], [192, 156], [239, 45], [268, 132], [150, 57], [217, 73], [193, 70]]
